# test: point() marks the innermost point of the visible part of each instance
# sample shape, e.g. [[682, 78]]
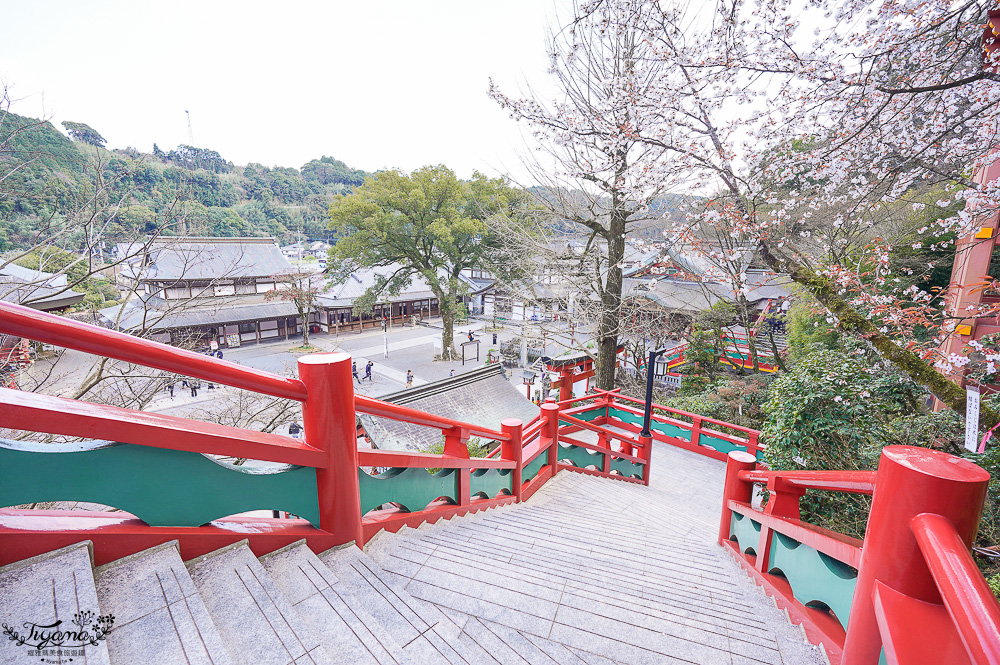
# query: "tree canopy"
[[84, 133], [428, 224]]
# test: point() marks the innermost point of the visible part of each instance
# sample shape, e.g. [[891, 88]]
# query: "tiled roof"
[[191, 258]]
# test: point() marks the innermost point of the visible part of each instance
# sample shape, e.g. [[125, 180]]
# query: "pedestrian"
[[294, 429], [170, 387], [211, 386], [452, 373], [494, 339], [194, 389], [470, 336], [184, 384], [354, 372], [409, 378], [218, 354], [368, 370]]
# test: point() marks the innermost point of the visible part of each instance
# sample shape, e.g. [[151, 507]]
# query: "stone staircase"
[[589, 571]]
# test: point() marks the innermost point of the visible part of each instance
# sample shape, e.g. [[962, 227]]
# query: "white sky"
[[389, 83]]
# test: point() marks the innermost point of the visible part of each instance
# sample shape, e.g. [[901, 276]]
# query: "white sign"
[[972, 418]]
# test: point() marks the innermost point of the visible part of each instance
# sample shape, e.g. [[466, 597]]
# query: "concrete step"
[[257, 623], [349, 634], [159, 615], [424, 632], [52, 588]]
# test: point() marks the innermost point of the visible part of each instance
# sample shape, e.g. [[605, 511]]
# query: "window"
[[250, 327]]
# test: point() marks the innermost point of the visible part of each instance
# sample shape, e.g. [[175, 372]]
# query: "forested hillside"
[[47, 178]]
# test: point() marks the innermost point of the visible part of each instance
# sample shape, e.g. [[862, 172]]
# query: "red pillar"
[[329, 423], [646, 453], [550, 430], [910, 481], [514, 450], [734, 488], [566, 387]]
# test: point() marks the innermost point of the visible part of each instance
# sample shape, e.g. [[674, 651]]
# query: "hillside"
[[47, 178]]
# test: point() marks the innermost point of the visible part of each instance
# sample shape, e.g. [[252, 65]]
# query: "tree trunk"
[[607, 332], [774, 350], [851, 321]]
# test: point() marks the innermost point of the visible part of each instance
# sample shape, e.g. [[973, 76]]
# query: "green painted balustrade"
[[580, 457], [626, 467], [667, 429], [159, 486], [533, 466], [816, 579], [415, 488]]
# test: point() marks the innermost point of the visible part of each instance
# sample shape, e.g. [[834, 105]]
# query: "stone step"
[[424, 632], [327, 607], [159, 615], [55, 587], [257, 623]]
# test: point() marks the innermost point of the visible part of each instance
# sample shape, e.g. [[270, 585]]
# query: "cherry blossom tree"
[[811, 126]]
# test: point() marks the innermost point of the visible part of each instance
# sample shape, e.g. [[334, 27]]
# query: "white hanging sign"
[[972, 418]]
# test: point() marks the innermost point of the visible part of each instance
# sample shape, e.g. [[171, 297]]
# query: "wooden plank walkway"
[[591, 570]]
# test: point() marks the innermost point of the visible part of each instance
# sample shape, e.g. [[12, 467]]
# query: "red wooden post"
[[550, 430], [910, 481], [456, 444], [647, 454], [734, 488], [753, 442], [566, 387], [514, 450], [696, 431], [329, 422]]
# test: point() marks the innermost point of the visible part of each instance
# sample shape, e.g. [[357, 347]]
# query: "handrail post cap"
[[511, 422], [742, 456], [936, 463], [324, 358]]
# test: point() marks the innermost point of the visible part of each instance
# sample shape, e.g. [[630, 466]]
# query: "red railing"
[[325, 389], [911, 588]]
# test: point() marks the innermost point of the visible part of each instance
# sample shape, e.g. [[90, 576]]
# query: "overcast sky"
[[391, 83]]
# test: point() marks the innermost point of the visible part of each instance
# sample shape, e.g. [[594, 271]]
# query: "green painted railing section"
[[593, 414], [814, 577], [581, 457], [746, 531], [666, 429], [159, 486], [490, 482], [626, 467], [413, 488], [532, 468], [721, 445]]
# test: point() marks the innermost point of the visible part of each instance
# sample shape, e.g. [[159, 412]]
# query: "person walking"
[[170, 387], [409, 378], [294, 430], [194, 388], [452, 373], [368, 370], [354, 372]]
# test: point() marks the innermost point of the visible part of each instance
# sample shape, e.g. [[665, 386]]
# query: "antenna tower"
[[190, 131]]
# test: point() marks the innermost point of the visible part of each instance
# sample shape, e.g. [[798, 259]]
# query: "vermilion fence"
[[909, 593], [155, 466]]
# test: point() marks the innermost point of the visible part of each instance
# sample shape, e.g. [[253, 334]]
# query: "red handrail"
[[58, 331], [851, 482], [704, 419], [966, 594], [405, 414]]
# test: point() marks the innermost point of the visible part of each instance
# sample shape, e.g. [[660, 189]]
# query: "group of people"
[[368, 371], [186, 384]]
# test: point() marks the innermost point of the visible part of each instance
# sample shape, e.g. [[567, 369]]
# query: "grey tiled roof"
[[482, 397], [214, 258], [157, 316]]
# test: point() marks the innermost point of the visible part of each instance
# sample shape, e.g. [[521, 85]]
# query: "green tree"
[[427, 224], [84, 133]]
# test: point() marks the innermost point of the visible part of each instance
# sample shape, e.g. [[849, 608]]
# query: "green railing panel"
[[721, 445], [746, 531], [670, 429], [159, 486], [814, 577], [490, 482], [626, 467], [590, 415], [581, 457], [625, 416], [532, 468], [414, 488]]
